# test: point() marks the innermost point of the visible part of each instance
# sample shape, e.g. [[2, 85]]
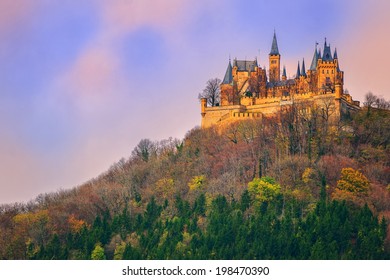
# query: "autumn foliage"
[[296, 185]]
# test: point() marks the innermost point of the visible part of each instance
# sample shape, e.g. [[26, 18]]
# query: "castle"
[[248, 92]]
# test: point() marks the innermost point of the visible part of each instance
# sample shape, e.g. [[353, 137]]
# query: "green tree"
[[98, 253]]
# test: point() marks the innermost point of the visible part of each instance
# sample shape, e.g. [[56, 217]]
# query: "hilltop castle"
[[248, 92]]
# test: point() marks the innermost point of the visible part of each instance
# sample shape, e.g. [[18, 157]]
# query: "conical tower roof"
[[327, 56], [303, 72], [298, 71], [228, 79], [274, 47], [313, 65], [284, 71]]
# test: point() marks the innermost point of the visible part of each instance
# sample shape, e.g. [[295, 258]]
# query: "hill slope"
[[289, 187]]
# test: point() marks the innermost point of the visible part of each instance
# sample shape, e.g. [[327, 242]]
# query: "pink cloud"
[[124, 16], [93, 72], [15, 14], [366, 57], [19, 167]]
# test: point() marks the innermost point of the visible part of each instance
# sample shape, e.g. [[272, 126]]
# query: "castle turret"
[[336, 60], [303, 71], [298, 72], [327, 56], [313, 66], [274, 61], [228, 79], [338, 90], [227, 83], [284, 75], [203, 106]]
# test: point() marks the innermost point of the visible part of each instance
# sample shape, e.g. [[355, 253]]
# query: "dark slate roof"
[[284, 71], [319, 53], [274, 48], [245, 65], [228, 79], [313, 65], [289, 82], [335, 54], [327, 56], [303, 72], [298, 71]]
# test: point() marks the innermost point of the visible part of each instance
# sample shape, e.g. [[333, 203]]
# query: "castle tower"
[[328, 73], [274, 61]]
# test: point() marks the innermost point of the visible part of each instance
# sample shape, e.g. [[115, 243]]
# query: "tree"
[[264, 189], [212, 92], [144, 150], [197, 182], [353, 186], [353, 181], [98, 253], [372, 100]]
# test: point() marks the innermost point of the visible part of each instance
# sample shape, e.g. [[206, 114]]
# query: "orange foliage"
[[75, 224]]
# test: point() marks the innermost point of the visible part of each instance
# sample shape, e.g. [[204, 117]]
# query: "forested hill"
[[290, 187]]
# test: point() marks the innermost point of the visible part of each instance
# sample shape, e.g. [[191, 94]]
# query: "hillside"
[[292, 186]]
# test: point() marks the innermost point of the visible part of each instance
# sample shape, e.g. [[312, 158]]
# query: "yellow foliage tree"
[[264, 189], [165, 187], [353, 181], [197, 183], [353, 186]]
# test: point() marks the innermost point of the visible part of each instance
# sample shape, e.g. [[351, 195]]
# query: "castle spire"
[[274, 47], [327, 55], [284, 75], [228, 79], [313, 65], [336, 57], [303, 72], [298, 72]]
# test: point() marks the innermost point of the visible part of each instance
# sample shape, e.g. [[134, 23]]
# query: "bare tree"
[[212, 92], [374, 101], [144, 150], [370, 100]]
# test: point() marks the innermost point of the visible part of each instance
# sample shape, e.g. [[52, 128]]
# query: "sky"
[[82, 82]]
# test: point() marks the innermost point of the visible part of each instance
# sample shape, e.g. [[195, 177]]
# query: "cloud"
[[123, 16], [19, 167], [365, 57], [92, 76], [15, 14]]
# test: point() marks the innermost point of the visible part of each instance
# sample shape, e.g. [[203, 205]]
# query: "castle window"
[[323, 71], [332, 71], [327, 71]]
